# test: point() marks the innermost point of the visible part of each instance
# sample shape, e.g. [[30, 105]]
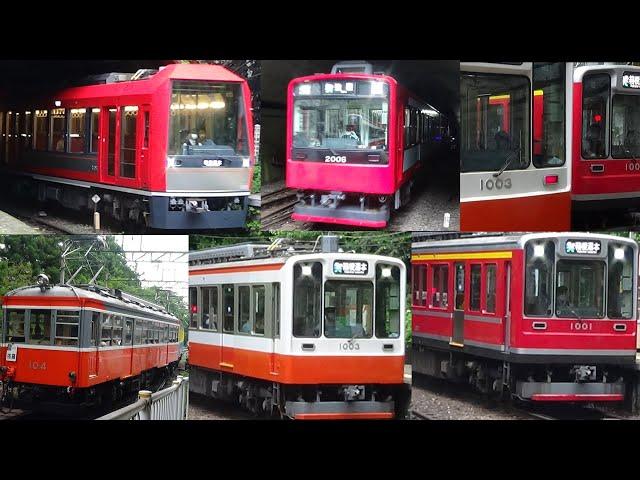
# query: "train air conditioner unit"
[[356, 66]]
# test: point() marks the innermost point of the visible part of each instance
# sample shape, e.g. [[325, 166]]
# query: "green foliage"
[[256, 184]]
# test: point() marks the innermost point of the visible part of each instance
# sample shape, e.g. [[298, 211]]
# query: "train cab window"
[[388, 301], [475, 287], [595, 105], [490, 288], [620, 302], [41, 130], [76, 128], [57, 130], [128, 331], [420, 285], [128, 125], [348, 309], [210, 308], [258, 309], [275, 288], [40, 327], [193, 307], [439, 286], [94, 126], [116, 338], [495, 122], [540, 257], [227, 308], [549, 80], [244, 310], [15, 326], [580, 289], [307, 300], [625, 126], [66, 327], [106, 330], [207, 118]]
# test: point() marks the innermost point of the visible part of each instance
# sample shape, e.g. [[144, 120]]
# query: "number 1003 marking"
[[497, 184]]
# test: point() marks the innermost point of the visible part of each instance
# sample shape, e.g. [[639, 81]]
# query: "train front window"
[[625, 126], [540, 256], [495, 122], [40, 327], [595, 102], [207, 119], [341, 115], [549, 114], [307, 299], [580, 289], [620, 281], [388, 301], [348, 309], [15, 326]]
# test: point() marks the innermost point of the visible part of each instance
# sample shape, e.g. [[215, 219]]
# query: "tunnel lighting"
[[217, 105], [429, 112], [304, 89], [618, 253], [95, 110], [538, 250], [306, 270], [57, 103], [377, 88]]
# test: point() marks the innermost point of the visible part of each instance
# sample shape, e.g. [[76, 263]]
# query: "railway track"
[[568, 412]]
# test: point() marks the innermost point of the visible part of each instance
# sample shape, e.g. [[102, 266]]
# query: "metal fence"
[[169, 404]]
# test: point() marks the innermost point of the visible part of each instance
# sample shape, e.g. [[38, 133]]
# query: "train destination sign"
[[583, 247], [630, 80], [350, 267]]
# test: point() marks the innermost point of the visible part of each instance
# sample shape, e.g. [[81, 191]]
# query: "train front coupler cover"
[[343, 208]]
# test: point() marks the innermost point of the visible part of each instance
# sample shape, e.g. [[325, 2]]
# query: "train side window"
[[419, 285], [116, 338], [595, 118], [244, 310], [439, 286], [490, 287], [540, 257], [276, 308], [128, 125], [105, 331], [549, 80], [137, 332], [227, 307], [67, 327], [15, 326], [307, 300], [258, 309], [94, 126], [94, 332], [193, 307], [57, 130], [210, 308], [40, 327], [128, 331], [388, 302], [475, 287], [28, 126], [76, 126], [41, 130]]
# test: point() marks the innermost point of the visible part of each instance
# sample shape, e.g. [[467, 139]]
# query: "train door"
[[108, 150], [229, 307], [2, 137], [457, 333], [507, 305], [275, 327], [94, 341], [143, 151], [129, 143]]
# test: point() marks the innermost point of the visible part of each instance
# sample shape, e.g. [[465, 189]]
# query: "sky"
[[161, 260]]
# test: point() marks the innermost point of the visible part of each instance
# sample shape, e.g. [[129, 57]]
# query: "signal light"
[[597, 117], [551, 179], [194, 309]]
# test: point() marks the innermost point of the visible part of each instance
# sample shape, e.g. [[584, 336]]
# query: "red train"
[[355, 140], [82, 346], [543, 317], [170, 150]]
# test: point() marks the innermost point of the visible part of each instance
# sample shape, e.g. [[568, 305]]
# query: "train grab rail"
[[172, 403]]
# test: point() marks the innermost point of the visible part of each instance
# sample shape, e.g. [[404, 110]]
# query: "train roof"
[[492, 242], [112, 297]]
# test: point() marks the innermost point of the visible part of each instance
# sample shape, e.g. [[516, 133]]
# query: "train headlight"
[[304, 89], [386, 272], [306, 270], [377, 88], [618, 253], [538, 251], [43, 281], [245, 162]]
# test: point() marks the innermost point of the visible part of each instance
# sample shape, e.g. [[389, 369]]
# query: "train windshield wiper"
[[575, 314], [508, 160]]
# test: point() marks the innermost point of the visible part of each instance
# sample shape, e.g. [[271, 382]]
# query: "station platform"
[[12, 226]]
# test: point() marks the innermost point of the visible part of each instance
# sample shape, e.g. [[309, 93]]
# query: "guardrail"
[[169, 404]]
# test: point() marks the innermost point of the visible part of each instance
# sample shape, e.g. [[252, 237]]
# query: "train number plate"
[[12, 352]]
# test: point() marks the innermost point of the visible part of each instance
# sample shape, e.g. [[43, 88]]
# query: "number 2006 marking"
[[335, 159], [497, 184]]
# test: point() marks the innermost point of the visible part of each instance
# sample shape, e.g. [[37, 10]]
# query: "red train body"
[[77, 345], [130, 142], [354, 144], [528, 314]]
